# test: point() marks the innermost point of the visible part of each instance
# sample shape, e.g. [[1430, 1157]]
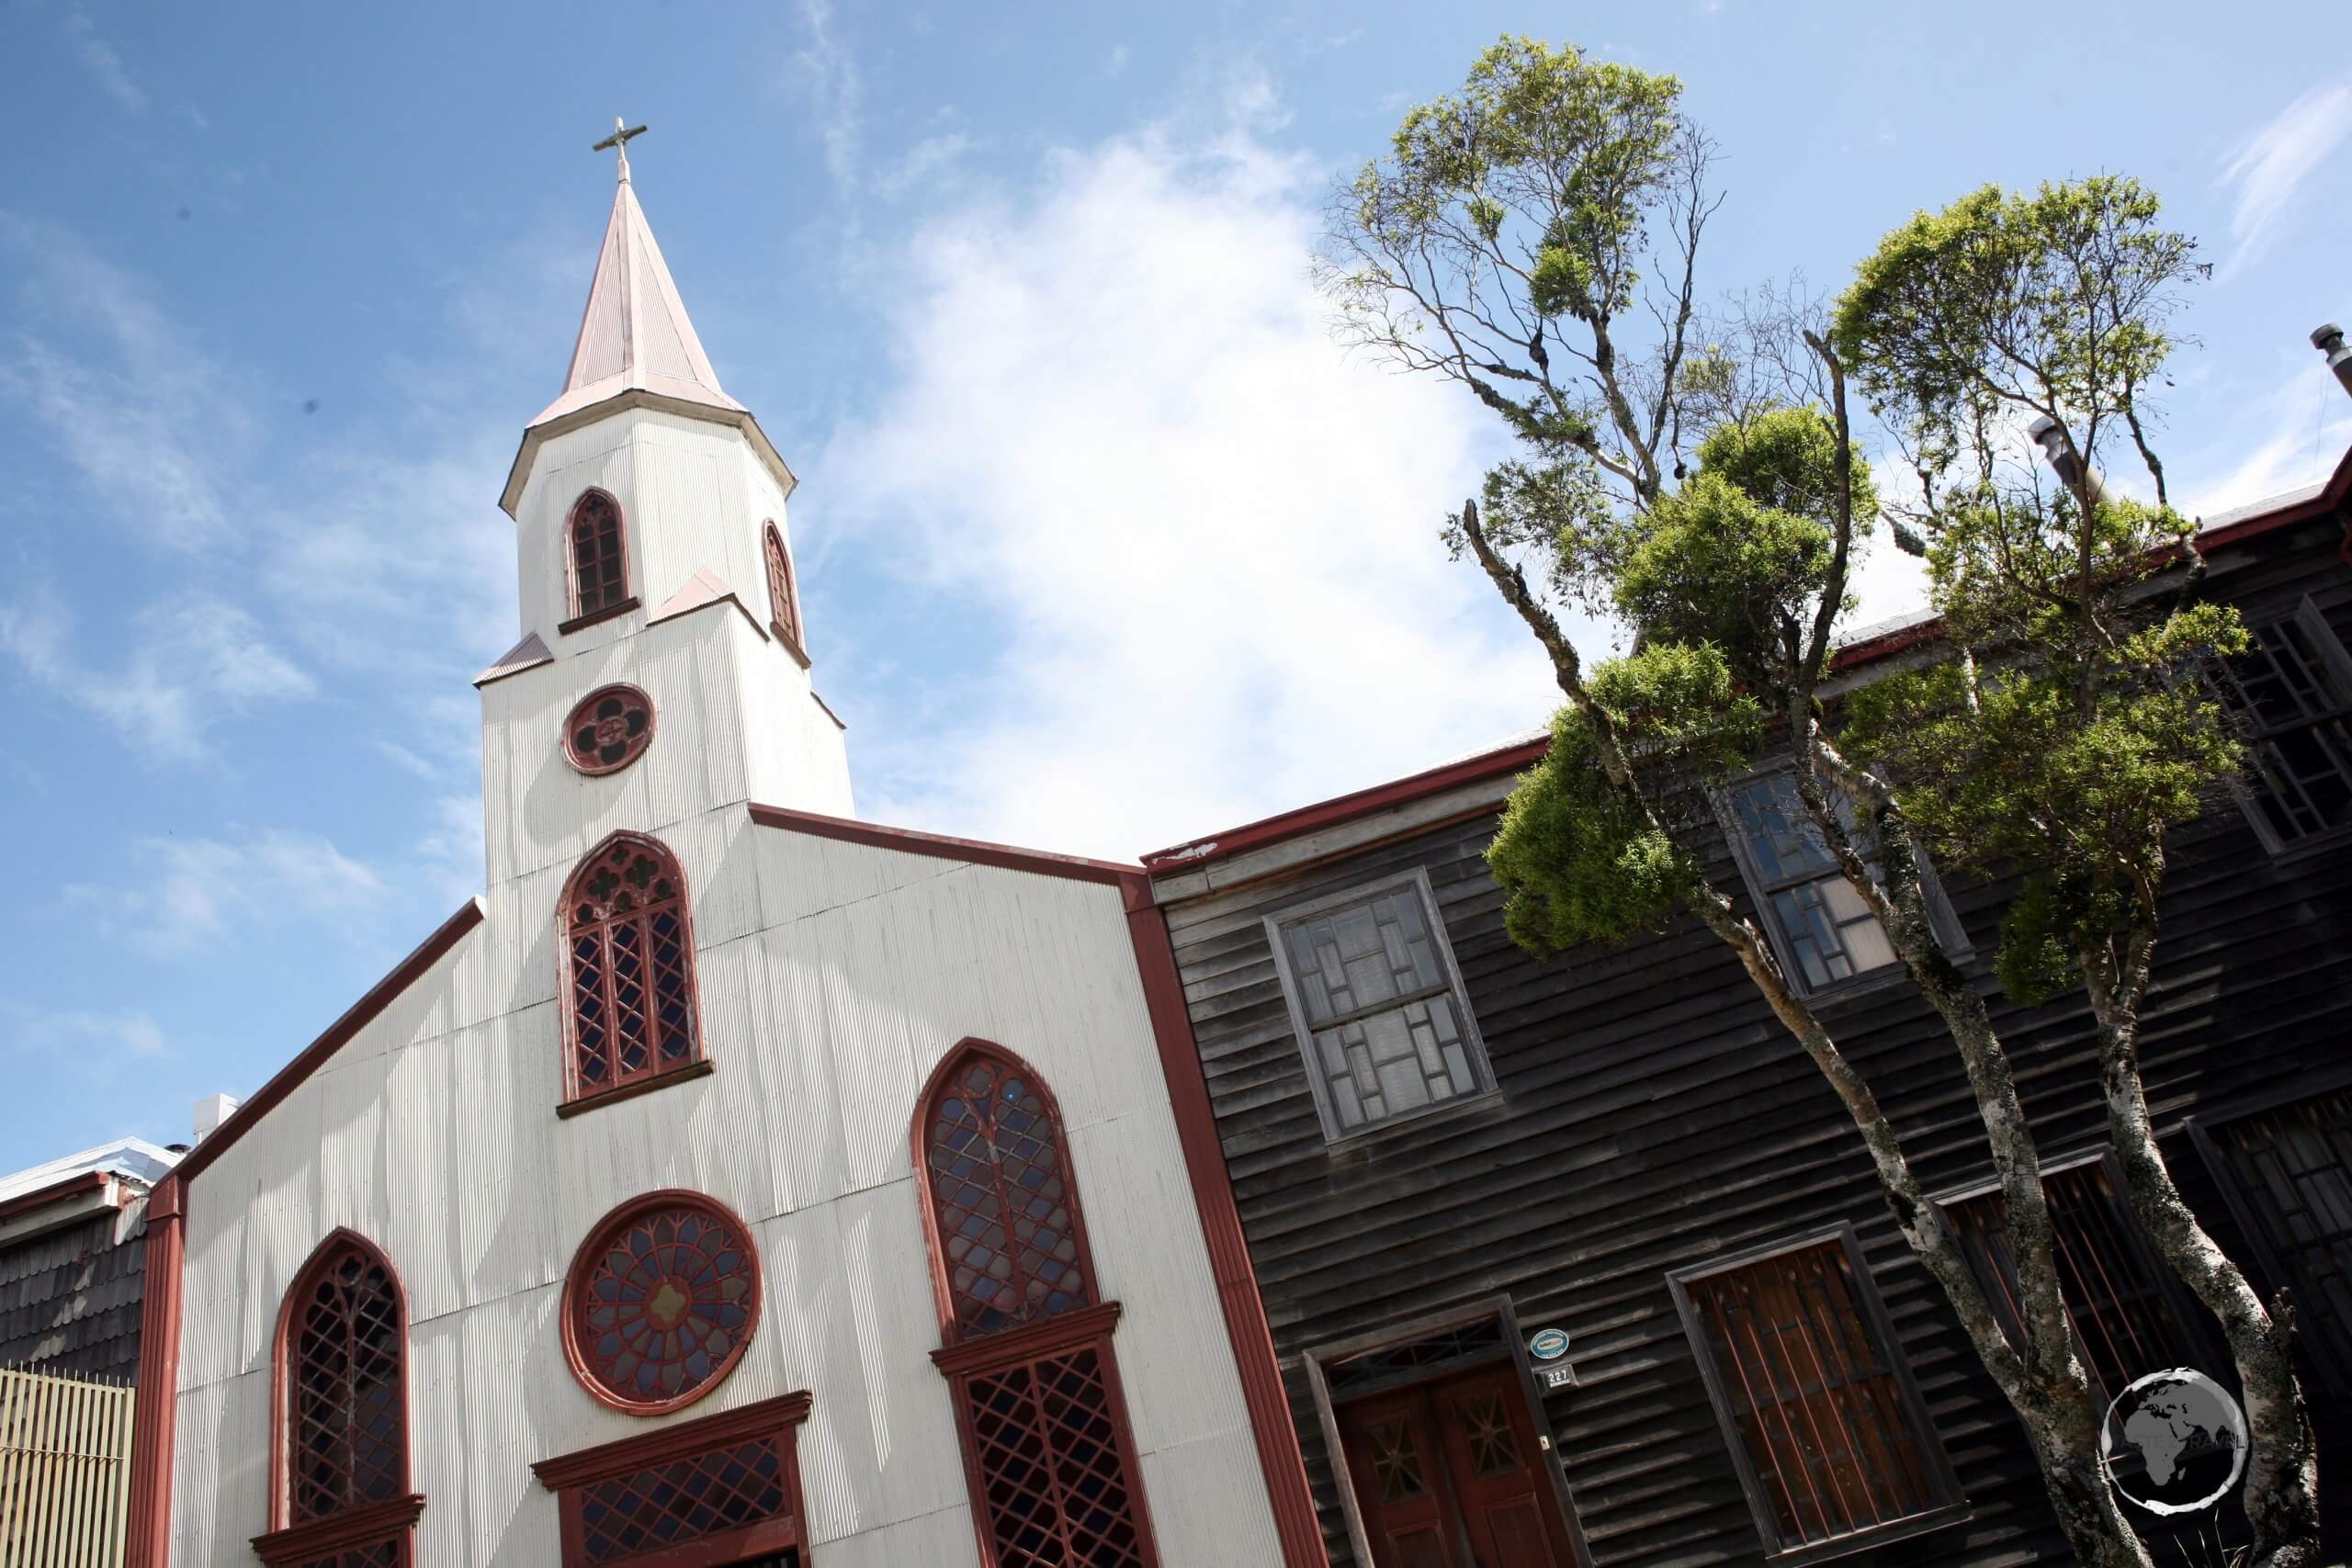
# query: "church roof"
[[635, 335]]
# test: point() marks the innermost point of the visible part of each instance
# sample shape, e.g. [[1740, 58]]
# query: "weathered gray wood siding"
[[1653, 1114], [69, 1299]]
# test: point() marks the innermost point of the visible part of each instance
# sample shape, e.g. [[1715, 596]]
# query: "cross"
[[618, 142]]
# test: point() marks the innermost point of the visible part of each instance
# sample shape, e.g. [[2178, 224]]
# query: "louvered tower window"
[[599, 554], [342, 1496], [628, 991], [1048, 1455]]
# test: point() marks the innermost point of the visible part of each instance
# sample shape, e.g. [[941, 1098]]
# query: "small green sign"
[[1548, 1345]]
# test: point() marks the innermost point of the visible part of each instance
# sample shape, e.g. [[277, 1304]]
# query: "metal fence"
[[64, 1470]]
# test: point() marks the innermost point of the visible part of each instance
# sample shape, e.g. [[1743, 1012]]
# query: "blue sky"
[[1103, 544]]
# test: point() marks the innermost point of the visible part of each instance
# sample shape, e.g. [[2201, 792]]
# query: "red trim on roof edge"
[[56, 1191], [1346, 807], [404, 973], [849, 830], [155, 1405], [1279, 1459]]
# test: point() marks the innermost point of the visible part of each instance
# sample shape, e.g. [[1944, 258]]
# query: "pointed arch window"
[[341, 1491], [629, 1013], [597, 551], [783, 599], [1049, 1454]]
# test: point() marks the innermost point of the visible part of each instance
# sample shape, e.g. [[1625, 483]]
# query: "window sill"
[[618, 608], [352, 1529], [791, 644], [587, 1102], [2325, 842], [1876, 1536], [1452, 1109]]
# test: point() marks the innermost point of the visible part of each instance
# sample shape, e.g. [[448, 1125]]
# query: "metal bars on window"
[[1800, 1363], [629, 1010], [2286, 1173], [2294, 692], [1382, 1019]]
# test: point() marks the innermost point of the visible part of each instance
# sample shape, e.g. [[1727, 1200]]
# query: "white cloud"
[[828, 73], [1118, 431], [925, 159], [2270, 168], [2293, 437], [133, 1033], [191, 891], [98, 58]]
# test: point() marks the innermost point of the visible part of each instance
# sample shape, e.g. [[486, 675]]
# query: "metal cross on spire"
[[618, 142]]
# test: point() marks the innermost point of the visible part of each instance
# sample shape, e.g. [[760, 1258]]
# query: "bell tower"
[[655, 576]]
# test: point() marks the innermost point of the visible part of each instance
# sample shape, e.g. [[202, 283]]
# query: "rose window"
[[608, 730], [661, 1303]]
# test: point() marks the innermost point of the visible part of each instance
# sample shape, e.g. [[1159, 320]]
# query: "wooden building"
[[70, 1259], [1582, 1261], [733, 1181]]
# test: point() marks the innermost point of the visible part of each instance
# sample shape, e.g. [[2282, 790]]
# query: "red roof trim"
[[1346, 807], [976, 852], [315, 1056], [56, 1191]]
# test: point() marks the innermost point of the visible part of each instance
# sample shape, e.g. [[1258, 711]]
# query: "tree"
[[1505, 246]]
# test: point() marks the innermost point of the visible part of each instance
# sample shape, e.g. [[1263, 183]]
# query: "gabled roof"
[[635, 335], [135, 1160]]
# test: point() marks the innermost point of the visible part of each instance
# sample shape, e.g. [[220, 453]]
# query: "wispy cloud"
[[829, 74], [104, 64], [924, 160], [191, 893], [2270, 168], [132, 1034], [1193, 527], [1116, 60]]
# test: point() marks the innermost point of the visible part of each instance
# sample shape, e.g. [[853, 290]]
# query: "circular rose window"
[[608, 730], [661, 1303]]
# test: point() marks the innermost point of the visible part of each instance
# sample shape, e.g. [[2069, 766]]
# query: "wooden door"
[[1448, 1474]]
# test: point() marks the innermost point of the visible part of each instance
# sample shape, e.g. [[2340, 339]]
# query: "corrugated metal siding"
[[69, 1299], [1654, 1114]]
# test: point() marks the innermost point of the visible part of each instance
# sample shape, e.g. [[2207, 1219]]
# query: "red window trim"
[[635, 1087], [575, 1281], [781, 1418], [350, 1528], [594, 767], [581, 617], [356, 1529], [572, 1096], [619, 607], [784, 599]]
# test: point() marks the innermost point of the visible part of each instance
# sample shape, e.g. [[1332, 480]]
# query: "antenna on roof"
[[2329, 340]]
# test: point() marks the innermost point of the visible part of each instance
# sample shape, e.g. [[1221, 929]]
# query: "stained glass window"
[[661, 1301], [1007, 1220], [629, 956], [609, 729]]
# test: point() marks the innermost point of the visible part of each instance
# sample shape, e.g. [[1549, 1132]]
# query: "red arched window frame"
[[595, 553], [784, 596], [1049, 1455], [340, 1483], [631, 1018], [617, 1324]]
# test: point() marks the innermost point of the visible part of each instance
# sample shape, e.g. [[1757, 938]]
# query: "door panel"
[[1448, 1474], [1397, 1466]]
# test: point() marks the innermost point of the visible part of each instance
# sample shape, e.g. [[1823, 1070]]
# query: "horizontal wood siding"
[[1653, 1114]]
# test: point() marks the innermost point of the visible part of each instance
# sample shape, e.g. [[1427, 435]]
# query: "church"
[[732, 1182]]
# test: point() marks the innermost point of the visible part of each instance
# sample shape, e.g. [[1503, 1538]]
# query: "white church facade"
[[732, 1182]]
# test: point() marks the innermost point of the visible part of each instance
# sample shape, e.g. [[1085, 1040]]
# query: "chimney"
[[211, 1112], [2329, 340], [2059, 454]]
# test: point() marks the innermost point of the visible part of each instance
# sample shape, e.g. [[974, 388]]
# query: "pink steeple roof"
[[635, 333]]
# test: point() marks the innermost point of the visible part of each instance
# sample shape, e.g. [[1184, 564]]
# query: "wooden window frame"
[[567, 1476], [784, 591], [966, 1356], [1318, 1359], [1951, 935], [1303, 1029], [392, 1519], [1947, 1505], [581, 614], [574, 1100], [583, 1263], [2195, 1340], [2337, 662], [2332, 1364]]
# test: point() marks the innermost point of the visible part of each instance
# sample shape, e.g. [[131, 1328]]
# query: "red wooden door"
[[1448, 1475], [1397, 1463]]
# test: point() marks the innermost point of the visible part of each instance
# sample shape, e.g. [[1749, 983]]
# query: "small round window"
[[661, 1303], [608, 730]]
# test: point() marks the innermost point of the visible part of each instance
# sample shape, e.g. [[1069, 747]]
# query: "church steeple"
[[635, 334]]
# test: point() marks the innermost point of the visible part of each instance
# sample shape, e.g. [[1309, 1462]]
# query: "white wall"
[[833, 979]]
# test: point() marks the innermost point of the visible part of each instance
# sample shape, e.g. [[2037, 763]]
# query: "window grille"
[[1823, 1423], [2126, 1323], [2286, 1173], [660, 1301], [723, 1489], [346, 1417], [1049, 1459], [1826, 932], [599, 554], [1378, 1006], [2294, 692], [783, 604], [629, 1010]]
